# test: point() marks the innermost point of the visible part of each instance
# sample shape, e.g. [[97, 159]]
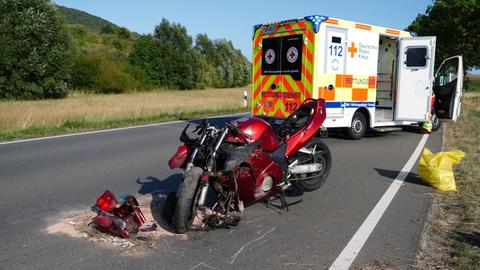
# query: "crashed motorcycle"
[[248, 161]]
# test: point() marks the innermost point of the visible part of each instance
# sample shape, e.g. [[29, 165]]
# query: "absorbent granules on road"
[[75, 224]]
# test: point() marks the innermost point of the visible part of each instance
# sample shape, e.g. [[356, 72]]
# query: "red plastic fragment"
[[107, 201], [120, 219]]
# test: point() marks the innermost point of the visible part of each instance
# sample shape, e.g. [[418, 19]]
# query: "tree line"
[[43, 57], [171, 59]]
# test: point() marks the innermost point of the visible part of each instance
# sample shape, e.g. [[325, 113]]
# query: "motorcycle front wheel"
[[313, 181], [185, 207]]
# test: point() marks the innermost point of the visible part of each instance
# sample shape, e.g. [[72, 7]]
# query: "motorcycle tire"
[[184, 212], [322, 155]]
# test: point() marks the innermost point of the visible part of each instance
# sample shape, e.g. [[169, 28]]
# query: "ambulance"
[[369, 76]]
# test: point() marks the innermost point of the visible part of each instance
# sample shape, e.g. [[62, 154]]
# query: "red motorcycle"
[[248, 161]]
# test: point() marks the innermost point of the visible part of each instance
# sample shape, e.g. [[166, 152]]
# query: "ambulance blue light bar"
[[255, 28], [316, 20]]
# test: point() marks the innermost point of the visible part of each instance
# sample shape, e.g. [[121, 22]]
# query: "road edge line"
[[113, 129], [354, 246]]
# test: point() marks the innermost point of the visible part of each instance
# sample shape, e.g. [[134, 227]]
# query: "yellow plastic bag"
[[436, 169]]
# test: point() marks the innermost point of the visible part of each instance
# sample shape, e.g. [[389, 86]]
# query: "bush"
[[36, 50], [102, 71], [113, 78], [123, 33]]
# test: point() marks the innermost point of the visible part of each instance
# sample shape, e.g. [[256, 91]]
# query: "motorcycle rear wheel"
[[317, 179], [185, 207]]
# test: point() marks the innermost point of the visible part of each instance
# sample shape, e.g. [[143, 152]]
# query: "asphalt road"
[[43, 180]]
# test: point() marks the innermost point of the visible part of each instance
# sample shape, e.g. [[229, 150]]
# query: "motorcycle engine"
[[234, 155]]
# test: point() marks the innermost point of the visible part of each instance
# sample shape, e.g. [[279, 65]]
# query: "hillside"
[[111, 59], [93, 23]]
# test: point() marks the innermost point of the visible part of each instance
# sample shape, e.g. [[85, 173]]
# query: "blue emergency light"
[[316, 20]]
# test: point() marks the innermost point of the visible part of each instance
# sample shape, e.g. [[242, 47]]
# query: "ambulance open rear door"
[[416, 59], [448, 88]]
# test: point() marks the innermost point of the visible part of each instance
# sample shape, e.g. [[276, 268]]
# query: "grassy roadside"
[[86, 112], [72, 126], [474, 82], [452, 232]]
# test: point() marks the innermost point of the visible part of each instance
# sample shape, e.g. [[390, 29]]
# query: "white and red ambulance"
[[369, 76]]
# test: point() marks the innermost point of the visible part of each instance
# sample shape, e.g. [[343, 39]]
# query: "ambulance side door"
[[416, 59], [448, 88]]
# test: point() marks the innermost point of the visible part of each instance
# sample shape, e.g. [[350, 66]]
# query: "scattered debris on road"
[[122, 218], [150, 228], [76, 225]]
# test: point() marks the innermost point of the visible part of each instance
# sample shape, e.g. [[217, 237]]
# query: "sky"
[[234, 20]]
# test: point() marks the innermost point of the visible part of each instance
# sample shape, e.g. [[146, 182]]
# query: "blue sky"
[[234, 20]]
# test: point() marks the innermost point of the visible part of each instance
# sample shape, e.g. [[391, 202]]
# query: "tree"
[[455, 24], [224, 65], [123, 33], [170, 60], [173, 35], [107, 29], [36, 50], [146, 55]]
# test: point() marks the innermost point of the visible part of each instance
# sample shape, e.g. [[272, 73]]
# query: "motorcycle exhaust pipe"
[[307, 168]]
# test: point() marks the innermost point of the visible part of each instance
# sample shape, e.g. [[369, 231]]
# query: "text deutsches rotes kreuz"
[[364, 50]]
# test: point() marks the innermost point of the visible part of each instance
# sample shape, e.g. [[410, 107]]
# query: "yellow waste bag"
[[436, 169]]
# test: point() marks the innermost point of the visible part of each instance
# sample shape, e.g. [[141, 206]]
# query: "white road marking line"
[[111, 129], [350, 252]]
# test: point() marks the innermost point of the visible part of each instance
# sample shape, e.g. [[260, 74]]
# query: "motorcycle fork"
[[203, 190]]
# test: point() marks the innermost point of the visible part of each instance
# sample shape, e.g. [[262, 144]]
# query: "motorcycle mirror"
[[184, 137], [202, 126]]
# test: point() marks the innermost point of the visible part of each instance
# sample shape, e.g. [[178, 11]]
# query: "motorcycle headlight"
[[267, 183]]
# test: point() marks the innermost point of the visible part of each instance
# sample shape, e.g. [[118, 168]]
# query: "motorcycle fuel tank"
[[259, 131]]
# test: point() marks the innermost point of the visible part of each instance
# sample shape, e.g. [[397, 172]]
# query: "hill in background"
[[104, 61], [93, 23]]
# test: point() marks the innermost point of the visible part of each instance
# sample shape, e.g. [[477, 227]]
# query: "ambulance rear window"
[[336, 39], [416, 57], [283, 55]]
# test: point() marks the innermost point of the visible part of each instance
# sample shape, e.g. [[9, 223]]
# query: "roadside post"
[[245, 97]]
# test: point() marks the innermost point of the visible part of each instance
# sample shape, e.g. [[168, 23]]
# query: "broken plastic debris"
[[121, 218], [150, 228]]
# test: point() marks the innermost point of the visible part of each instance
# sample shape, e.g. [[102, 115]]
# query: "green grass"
[[73, 125], [465, 234], [474, 84]]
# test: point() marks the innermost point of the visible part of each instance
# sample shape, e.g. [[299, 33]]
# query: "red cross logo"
[[292, 54], [269, 56], [352, 50]]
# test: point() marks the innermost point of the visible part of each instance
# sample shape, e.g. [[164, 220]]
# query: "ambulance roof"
[[316, 20]]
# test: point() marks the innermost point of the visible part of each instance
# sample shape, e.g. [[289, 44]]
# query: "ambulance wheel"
[[436, 123], [358, 127]]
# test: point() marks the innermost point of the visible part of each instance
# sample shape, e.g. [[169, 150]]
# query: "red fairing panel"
[[301, 138], [250, 180], [259, 130], [179, 158]]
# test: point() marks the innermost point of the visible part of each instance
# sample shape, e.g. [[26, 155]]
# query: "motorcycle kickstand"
[[268, 204], [283, 203], [283, 200]]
